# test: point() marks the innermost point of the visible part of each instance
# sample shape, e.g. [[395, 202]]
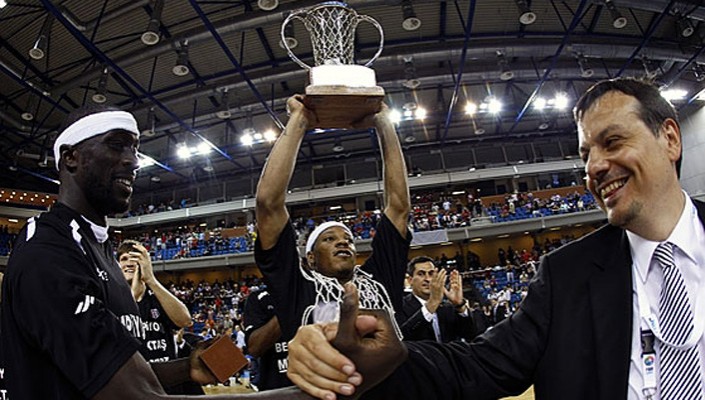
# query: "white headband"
[[94, 125], [319, 229]]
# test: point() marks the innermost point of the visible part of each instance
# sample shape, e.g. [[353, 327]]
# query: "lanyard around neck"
[[652, 321]]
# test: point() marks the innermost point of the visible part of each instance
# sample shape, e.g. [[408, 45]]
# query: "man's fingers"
[[348, 315]]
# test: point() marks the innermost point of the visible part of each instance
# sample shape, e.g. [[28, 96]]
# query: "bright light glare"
[[561, 101], [258, 136], [420, 113], [204, 148], [494, 106], [145, 161], [674, 94], [395, 116], [540, 103], [246, 139], [3, 3], [183, 151], [408, 113], [470, 108], [269, 135]]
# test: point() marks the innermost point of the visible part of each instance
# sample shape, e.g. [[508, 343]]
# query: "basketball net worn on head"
[[94, 125], [329, 295]]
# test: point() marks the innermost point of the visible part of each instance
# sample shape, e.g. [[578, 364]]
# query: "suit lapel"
[[611, 300]]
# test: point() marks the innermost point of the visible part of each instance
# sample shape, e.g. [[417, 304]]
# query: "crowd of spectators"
[[429, 212]]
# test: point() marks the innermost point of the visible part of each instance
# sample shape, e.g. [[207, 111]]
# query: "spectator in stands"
[[330, 249], [432, 311]]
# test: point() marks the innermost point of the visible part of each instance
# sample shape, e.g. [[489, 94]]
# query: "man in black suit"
[[424, 314], [594, 303]]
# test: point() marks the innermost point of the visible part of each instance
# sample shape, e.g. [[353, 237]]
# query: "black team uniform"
[[259, 309], [293, 293], [159, 343], [65, 299]]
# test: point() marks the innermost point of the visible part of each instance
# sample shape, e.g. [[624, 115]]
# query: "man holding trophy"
[[340, 96]]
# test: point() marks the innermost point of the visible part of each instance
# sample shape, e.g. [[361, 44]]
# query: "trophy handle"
[[293, 15], [376, 24]]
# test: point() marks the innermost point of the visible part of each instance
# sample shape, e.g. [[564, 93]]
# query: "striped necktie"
[[681, 376]]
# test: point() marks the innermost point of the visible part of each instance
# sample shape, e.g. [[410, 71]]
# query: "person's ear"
[[69, 157], [311, 260], [672, 135]]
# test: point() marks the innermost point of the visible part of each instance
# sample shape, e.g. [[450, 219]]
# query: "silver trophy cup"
[[340, 91]]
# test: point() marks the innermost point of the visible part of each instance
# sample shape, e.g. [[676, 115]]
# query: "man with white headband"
[[309, 294], [70, 327]]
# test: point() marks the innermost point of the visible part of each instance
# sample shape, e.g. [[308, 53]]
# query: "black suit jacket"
[[571, 336], [452, 325]]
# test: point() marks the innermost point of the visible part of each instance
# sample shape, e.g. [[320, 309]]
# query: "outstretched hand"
[[199, 372], [369, 341]]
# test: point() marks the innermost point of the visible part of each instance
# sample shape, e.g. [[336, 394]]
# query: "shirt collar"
[[100, 232], [642, 249], [423, 302]]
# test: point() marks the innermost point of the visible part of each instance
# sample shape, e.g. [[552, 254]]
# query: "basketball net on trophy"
[[340, 91], [329, 297]]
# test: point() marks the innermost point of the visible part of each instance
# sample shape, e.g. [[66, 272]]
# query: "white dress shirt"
[[689, 253]]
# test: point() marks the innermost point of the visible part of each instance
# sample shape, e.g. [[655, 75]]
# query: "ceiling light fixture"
[[149, 131], [411, 81], [409, 101], [470, 108], [181, 68], [618, 20], [224, 111], [338, 146], [289, 37], [505, 72], [585, 70], [39, 50], [28, 113], [561, 101], [267, 5], [685, 27], [99, 96], [151, 36], [650, 72], [494, 105], [410, 22], [699, 72], [526, 16], [539, 103]]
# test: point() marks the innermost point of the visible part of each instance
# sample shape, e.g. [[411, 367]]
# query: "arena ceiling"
[[461, 51]]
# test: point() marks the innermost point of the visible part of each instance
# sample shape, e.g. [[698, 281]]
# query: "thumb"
[[348, 314]]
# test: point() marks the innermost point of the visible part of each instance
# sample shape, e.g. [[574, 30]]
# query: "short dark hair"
[[411, 266], [654, 109], [127, 246]]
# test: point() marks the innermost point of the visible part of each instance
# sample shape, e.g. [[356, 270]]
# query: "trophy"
[[340, 92]]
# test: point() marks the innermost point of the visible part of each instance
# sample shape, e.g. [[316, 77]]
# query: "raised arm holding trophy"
[[340, 91]]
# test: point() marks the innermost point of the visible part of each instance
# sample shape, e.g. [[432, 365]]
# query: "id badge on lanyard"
[[648, 363]]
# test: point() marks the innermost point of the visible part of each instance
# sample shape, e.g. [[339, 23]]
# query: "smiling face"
[[630, 170], [105, 170], [127, 266], [334, 254]]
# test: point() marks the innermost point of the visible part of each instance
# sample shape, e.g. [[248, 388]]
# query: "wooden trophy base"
[[338, 106]]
